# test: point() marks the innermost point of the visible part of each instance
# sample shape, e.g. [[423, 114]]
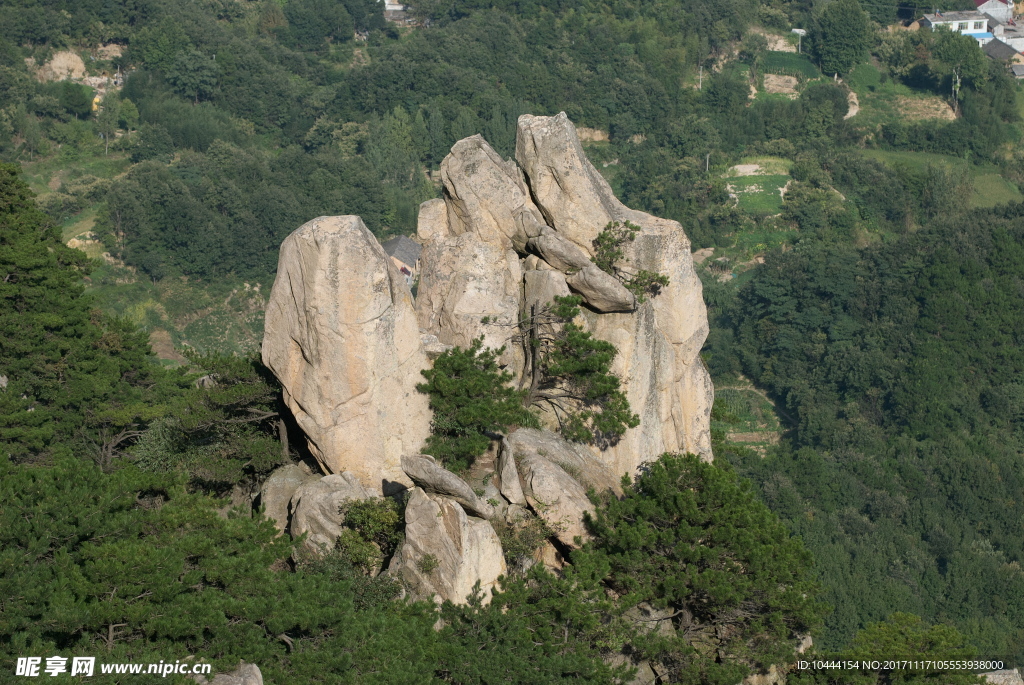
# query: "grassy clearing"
[[759, 241], [883, 100], [759, 195], [789, 64], [40, 174], [743, 415], [917, 162], [990, 188], [769, 166]]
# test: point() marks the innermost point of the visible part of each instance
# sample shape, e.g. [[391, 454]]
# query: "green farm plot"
[[759, 194], [789, 64], [743, 415], [990, 188], [883, 100]]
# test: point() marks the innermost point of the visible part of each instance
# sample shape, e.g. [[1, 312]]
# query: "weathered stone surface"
[[462, 550], [508, 475], [575, 459], [436, 479], [432, 347], [245, 674], [316, 508], [559, 252], [277, 491], [1006, 677], [465, 280], [541, 287], [432, 221], [601, 290], [493, 495], [659, 344], [556, 497], [485, 194], [341, 336], [574, 198]]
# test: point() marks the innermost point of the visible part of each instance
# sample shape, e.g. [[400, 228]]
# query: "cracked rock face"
[[341, 336], [548, 215], [445, 552], [347, 342]]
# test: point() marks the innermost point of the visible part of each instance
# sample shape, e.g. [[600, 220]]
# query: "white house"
[[1001, 12], [973, 24]]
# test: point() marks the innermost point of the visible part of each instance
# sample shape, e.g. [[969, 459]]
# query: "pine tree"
[[472, 400], [570, 374], [691, 538], [68, 374]]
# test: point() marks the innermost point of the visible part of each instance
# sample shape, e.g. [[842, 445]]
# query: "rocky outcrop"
[[348, 345], [495, 217], [278, 490], [508, 476], [317, 508], [556, 497], [436, 479], [486, 194], [245, 674], [341, 336], [466, 281], [659, 344], [445, 552], [583, 465]]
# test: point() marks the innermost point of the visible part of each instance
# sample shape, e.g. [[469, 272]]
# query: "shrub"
[[471, 399]]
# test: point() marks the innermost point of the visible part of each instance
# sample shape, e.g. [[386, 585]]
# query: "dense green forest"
[[864, 287]]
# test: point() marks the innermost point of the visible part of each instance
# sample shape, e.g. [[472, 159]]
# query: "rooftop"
[[403, 249], [997, 49], [940, 17]]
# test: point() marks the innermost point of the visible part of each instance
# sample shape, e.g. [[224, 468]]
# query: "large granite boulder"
[[486, 194], [317, 508], [445, 552], [469, 288], [277, 491], [436, 479], [341, 336], [556, 497], [509, 484], [659, 344], [584, 466]]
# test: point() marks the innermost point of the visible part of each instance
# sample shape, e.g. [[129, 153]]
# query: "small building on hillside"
[[1002, 52], [973, 24], [1010, 33], [405, 253], [1000, 11]]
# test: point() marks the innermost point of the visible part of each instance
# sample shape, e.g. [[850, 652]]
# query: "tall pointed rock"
[[341, 336], [659, 344]]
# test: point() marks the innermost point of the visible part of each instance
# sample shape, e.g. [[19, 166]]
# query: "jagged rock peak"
[[341, 336], [497, 223]]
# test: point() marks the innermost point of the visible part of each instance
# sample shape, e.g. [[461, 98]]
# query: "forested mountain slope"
[[883, 323]]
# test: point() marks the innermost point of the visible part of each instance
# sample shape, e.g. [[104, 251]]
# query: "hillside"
[[853, 220]]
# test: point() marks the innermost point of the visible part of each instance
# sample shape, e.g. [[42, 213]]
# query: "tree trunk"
[[282, 432]]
